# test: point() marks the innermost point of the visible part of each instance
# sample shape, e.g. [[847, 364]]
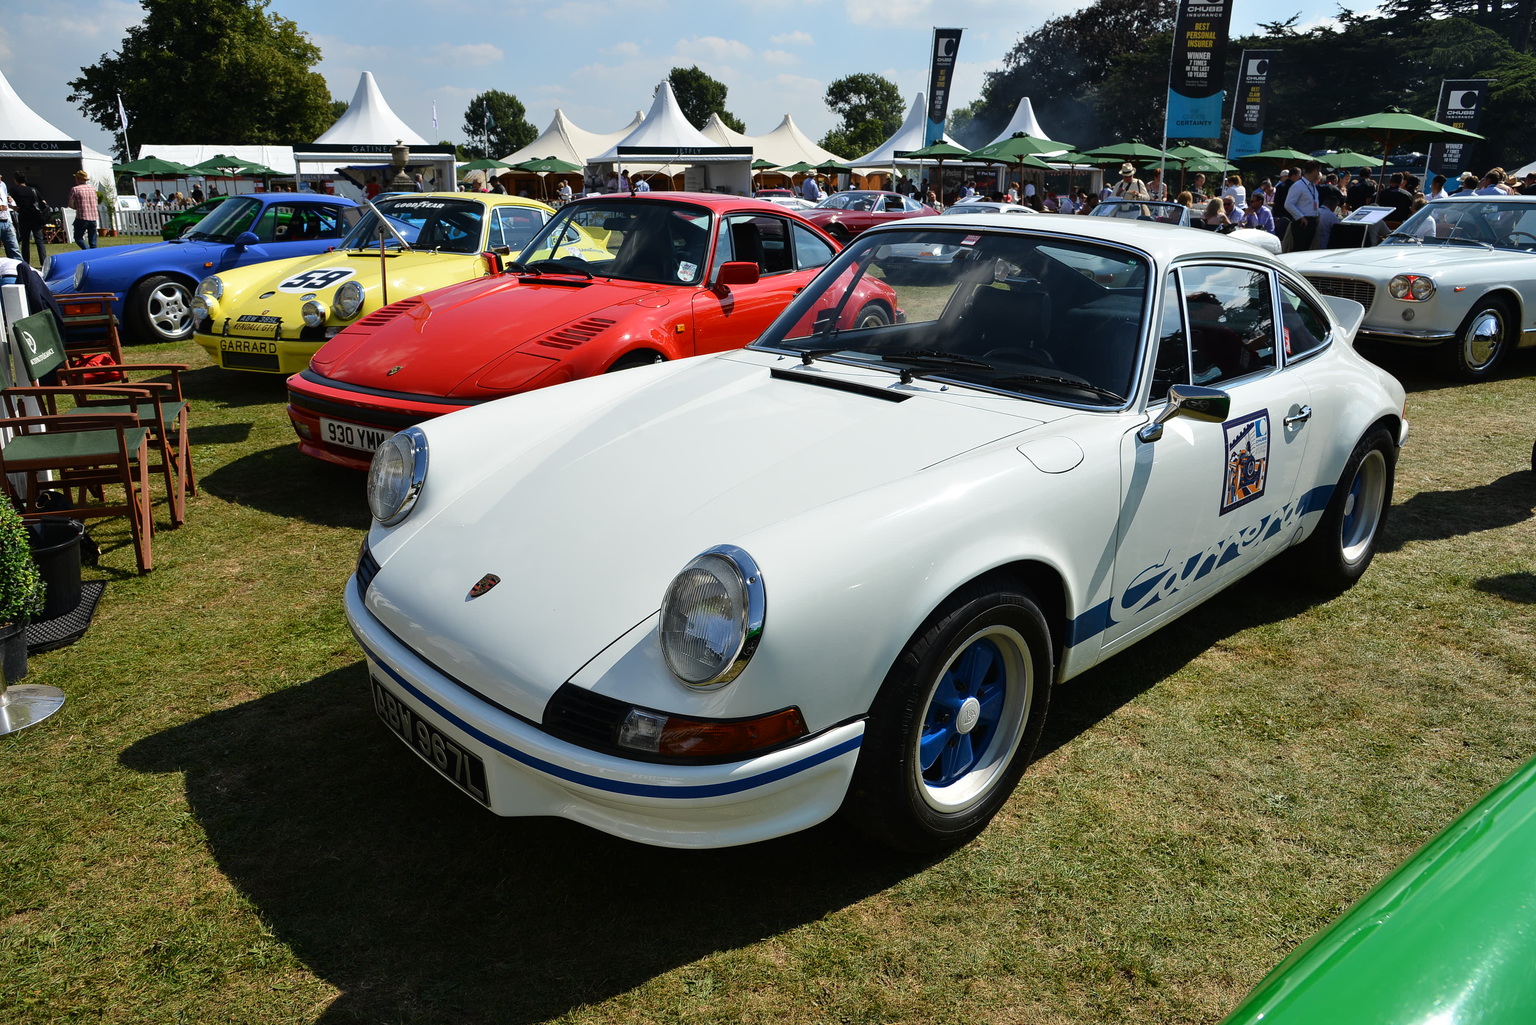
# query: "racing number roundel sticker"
[[316, 279]]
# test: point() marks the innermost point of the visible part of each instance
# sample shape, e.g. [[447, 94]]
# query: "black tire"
[[159, 309], [1345, 541], [631, 360], [980, 667], [872, 315], [1482, 340], [839, 233]]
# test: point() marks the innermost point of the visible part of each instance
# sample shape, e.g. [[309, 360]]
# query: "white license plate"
[[364, 439]]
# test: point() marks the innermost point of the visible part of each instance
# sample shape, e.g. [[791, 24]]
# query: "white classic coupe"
[[1458, 276], [718, 600]]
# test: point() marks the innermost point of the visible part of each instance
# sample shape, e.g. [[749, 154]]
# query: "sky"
[[598, 60]]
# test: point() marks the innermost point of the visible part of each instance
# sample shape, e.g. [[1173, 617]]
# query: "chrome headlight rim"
[[1411, 288], [212, 286], [314, 313], [349, 299], [202, 308], [396, 476], [80, 272], [742, 580]]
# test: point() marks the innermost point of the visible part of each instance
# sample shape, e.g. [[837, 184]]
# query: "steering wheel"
[[1509, 236]]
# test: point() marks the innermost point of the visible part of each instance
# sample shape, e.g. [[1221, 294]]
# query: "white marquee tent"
[[908, 137], [665, 141], [783, 146], [365, 134], [34, 147]]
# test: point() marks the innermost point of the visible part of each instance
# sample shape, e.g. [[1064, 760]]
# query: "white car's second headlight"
[[396, 476], [712, 617]]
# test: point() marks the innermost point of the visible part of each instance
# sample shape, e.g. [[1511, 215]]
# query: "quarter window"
[[1230, 314], [1304, 327], [810, 249]]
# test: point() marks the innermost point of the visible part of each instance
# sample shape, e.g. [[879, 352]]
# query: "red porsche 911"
[[611, 282], [844, 214]]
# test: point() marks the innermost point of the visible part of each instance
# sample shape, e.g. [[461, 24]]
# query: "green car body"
[[176, 226], [1449, 938]]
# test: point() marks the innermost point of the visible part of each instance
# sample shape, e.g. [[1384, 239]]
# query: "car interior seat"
[[747, 243]]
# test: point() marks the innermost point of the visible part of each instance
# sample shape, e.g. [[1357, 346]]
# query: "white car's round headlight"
[[398, 471], [1411, 288], [349, 299], [80, 277], [211, 286], [712, 617]]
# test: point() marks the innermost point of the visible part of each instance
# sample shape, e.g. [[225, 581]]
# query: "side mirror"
[[1207, 405], [737, 272], [246, 239]]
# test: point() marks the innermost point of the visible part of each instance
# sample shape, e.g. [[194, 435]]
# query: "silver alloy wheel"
[[167, 309], [1363, 507]]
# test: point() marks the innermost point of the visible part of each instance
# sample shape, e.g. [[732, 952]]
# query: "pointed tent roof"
[[907, 138], [564, 139], [723, 133], [369, 119], [787, 144], [35, 134], [1024, 120], [666, 136]]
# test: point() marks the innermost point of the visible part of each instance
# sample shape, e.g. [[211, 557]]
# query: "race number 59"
[[314, 280]]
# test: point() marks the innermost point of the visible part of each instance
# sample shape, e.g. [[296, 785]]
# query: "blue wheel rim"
[[978, 678]]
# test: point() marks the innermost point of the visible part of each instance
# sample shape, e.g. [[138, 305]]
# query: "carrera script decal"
[[1176, 571], [314, 280], [1247, 460]]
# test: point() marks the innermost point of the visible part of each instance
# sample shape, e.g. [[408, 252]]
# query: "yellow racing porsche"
[[271, 317]]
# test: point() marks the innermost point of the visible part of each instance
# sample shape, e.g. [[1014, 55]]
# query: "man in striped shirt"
[[82, 199]]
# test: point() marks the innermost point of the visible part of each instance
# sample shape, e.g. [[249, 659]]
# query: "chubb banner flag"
[[1461, 106], [946, 44], [1198, 64], [1251, 106]]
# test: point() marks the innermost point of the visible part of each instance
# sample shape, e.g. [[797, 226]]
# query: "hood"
[[61, 265], [441, 346], [590, 522], [1390, 259]]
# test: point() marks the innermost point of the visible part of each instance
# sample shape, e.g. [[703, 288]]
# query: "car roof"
[[1163, 242], [286, 197], [1459, 198], [712, 200]]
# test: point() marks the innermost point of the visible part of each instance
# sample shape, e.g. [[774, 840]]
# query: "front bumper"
[[262, 355], [528, 772], [313, 398]]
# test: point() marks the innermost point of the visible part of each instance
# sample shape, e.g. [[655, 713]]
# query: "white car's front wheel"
[[1480, 343], [955, 722]]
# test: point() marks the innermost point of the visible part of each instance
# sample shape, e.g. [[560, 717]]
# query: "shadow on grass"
[[1440, 515], [1515, 587], [284, 482], [1418, 369], [1268, 595], [233, 389], [421, 906]]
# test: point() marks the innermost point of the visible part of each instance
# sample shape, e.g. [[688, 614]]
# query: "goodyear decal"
[[1176, 571], [1247, 460]]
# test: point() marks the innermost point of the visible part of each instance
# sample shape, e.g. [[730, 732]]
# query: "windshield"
[[1502, 225], [431, 223], [227, 220], [1057, 319], [1167, 213], [634, 240]]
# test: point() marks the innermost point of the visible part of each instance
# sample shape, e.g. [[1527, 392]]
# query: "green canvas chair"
[[164, 414], [80, 453]]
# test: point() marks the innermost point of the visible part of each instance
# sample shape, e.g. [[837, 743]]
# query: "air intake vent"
[[1362, 292], [385, 314], [572, 335]]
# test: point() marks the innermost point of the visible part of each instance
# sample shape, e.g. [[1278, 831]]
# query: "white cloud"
[[887, 13], [472, 55], [779, 57], [713, 49], [796, 38], [623, 50]]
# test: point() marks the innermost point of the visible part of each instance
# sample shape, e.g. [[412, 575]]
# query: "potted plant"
[[21, 593]]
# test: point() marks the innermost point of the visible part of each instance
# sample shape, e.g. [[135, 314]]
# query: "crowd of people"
[[1301, 206]]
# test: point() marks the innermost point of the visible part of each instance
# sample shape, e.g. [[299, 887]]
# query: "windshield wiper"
[[1405, 236], [923, 362], [558, 266], [1063, 382]]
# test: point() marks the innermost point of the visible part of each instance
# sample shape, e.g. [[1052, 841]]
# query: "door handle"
[[1302, 415]]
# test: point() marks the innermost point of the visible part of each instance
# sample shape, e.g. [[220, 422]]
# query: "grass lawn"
[[217, 828]]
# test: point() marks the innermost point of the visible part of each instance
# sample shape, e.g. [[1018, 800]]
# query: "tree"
[[699, 96], [202, 70], [496, 124], [871, 112]]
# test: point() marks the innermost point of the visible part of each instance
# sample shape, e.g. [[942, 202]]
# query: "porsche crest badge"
[[482, 585], [392, 371]]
